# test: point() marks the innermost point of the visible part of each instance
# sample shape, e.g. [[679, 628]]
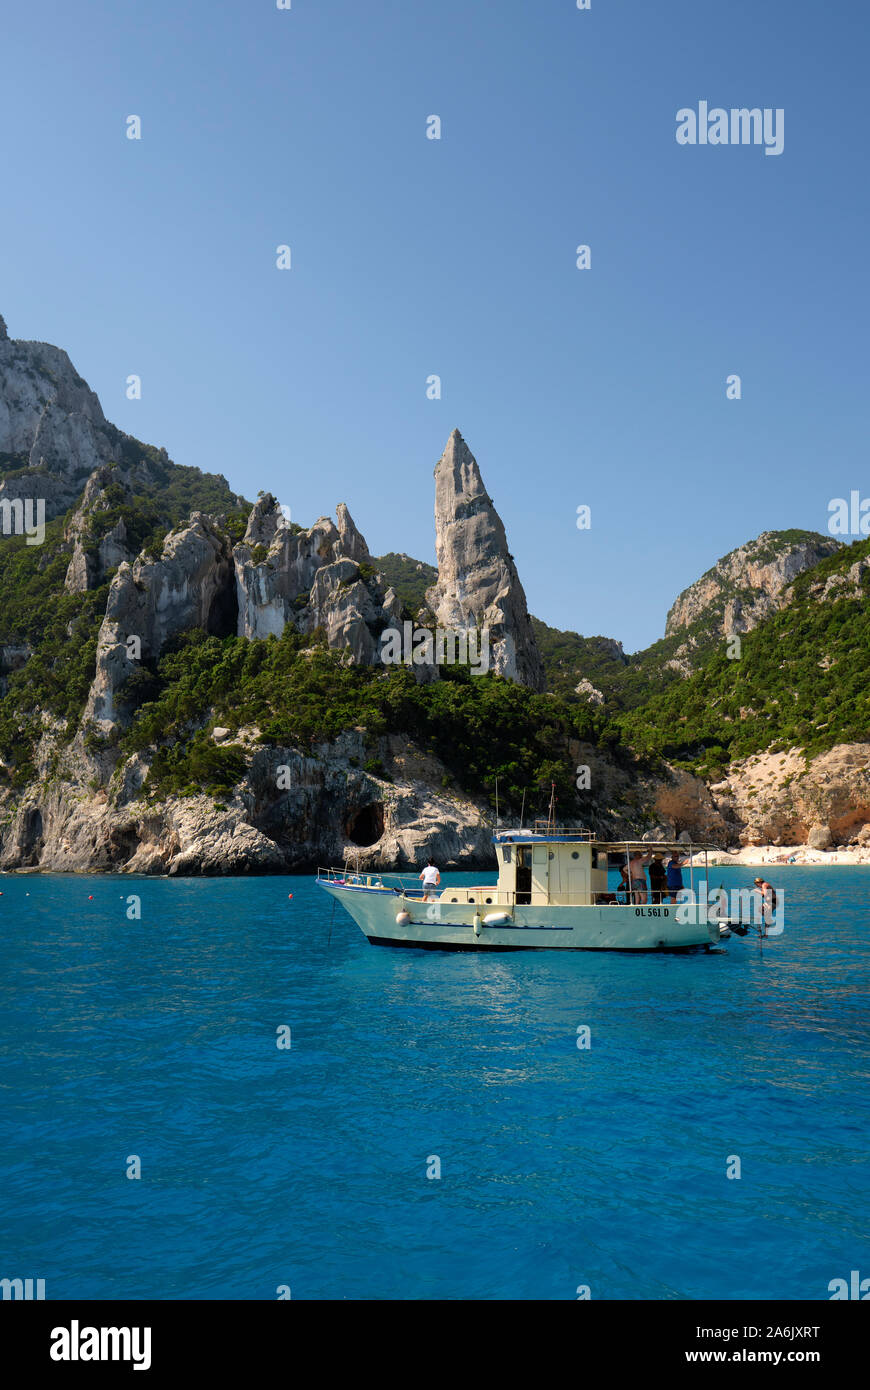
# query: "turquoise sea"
[[306, 1167]]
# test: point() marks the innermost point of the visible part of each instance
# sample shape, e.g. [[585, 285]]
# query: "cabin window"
[[575, 854], [507, 854], [552, 855], [489, 900]]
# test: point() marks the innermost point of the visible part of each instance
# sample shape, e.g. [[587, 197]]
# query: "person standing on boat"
[[658, 879], [768, 900], [637, 874], [674, 875], [431, 879]]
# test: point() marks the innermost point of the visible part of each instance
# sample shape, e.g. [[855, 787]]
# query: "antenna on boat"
[[551, 815], [523, 809], [497, 822]]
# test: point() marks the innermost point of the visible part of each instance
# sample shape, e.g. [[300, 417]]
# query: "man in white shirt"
[[431, 879]]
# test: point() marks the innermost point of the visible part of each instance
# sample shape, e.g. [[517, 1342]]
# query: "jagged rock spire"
[[353, 544], [4, 334], [478, 585], [265, 520]]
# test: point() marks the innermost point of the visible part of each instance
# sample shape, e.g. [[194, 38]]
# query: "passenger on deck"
[[637, 873], [431, 879], [658, 878], [674, 874]]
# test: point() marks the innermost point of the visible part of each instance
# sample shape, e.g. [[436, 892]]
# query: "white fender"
[[496, 919], [402, 918], [476, 924]]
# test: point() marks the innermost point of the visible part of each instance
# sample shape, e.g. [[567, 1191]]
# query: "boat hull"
[[448, 926]]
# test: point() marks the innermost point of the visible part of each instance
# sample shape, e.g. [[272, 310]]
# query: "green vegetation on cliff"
[[150, 512], [410, 578], [481, 727], [624, 681], [48, 638], [49, 643], [801, 680]]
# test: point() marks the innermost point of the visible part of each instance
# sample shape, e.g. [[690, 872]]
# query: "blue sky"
[[411, 256]]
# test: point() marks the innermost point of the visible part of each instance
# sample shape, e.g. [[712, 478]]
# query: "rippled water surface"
[[307, 1167]]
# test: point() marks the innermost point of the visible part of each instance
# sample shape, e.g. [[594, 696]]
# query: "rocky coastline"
[[244, 572]]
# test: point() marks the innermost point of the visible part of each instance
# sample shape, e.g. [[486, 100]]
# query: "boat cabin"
[[562, 866], [557, 868]]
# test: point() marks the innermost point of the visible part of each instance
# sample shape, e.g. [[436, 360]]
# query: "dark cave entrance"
[[223, 616], [366, 826], [31, 836]]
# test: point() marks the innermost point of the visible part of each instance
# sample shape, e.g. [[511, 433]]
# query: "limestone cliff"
[[311, 579], [152, 600], [478, 585], [52, 428], [771, 799], [748, 584], [332, 811], [275, 566], [787, 799], [86, 568]]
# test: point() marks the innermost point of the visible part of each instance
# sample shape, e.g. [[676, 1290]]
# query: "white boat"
[[552, 894]]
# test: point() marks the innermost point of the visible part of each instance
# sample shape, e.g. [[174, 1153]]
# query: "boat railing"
[[549, 827], [484, 894], [349, 877]]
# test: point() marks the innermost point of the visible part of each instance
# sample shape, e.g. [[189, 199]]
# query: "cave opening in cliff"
[[32, 836], [223, 615], [366, 826]]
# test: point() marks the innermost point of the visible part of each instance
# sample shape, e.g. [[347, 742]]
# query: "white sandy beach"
[[757, 856]]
